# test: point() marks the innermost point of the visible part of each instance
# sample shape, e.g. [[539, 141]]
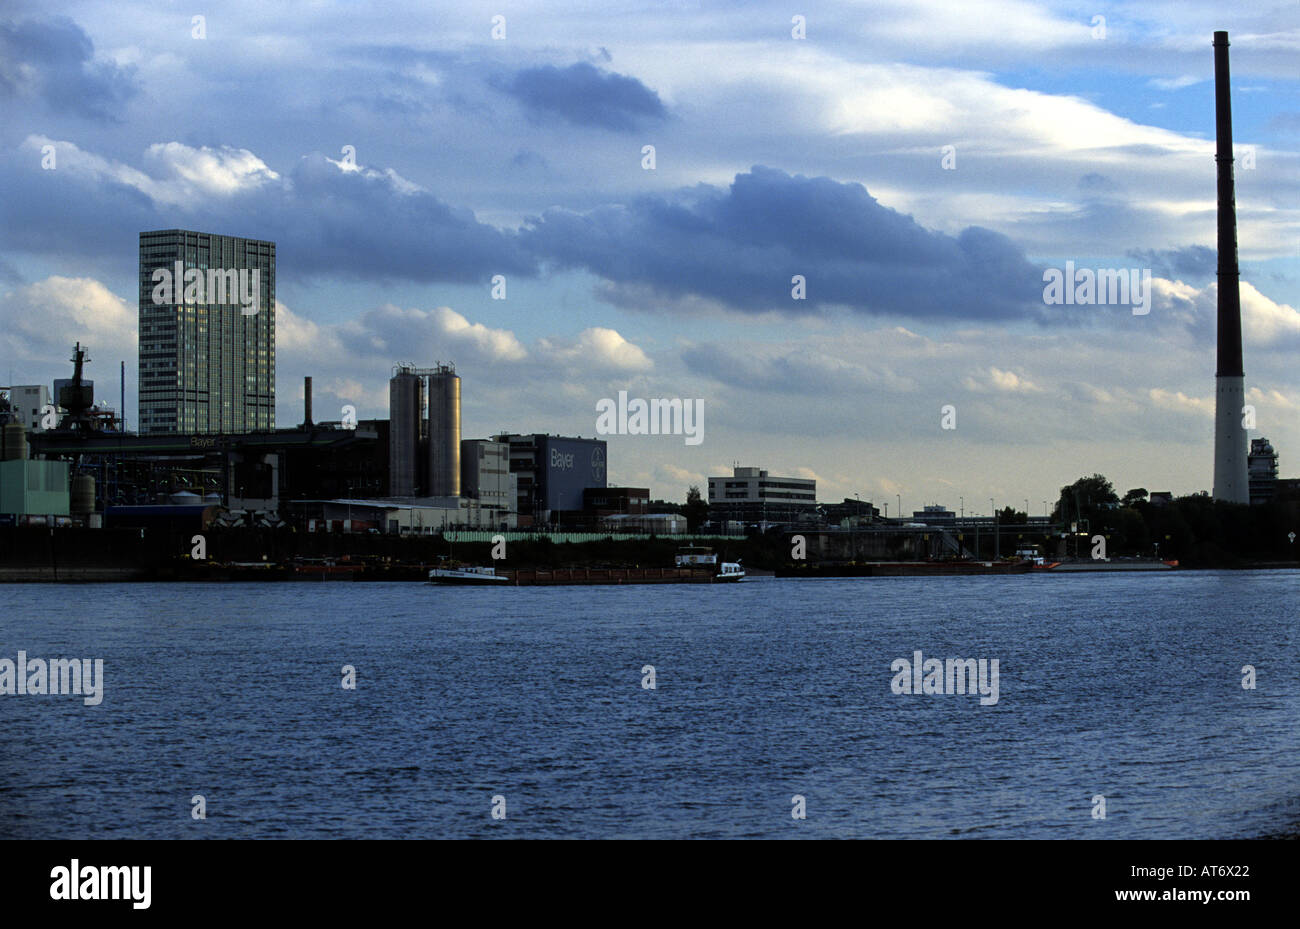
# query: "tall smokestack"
[[1230, 481], [306, 403]]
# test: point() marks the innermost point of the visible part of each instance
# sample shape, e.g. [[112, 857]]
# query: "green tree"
[[1134, 496], [696, 510], [1088, 499], [1010, 516]]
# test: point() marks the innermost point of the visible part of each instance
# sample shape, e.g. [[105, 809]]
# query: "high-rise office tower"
[[207, 333]]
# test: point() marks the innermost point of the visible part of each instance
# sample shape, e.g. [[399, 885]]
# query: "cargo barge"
[[906, 569], [692, 566], [1118, 564]]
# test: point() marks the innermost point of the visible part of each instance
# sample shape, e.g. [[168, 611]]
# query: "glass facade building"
[[207, 364]]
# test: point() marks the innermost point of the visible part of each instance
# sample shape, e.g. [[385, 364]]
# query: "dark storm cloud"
[[584, 95], [737, 247], [54, 60], [364, 225], [741, 246], [1193, 264]]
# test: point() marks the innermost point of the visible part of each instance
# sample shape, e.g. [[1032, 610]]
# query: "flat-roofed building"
[[485, 473], [753, 495]]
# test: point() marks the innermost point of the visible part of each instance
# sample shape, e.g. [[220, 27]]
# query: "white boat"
[[467, 574], [729, 571], [692, 556]]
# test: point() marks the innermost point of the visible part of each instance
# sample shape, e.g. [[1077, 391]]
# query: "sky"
[[841, 228]]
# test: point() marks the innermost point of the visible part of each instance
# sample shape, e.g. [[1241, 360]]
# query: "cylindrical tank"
[[82, 499], [444, 432], [404, 408], [15, 443]]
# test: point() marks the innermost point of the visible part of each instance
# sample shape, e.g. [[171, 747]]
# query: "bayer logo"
[[598, 464]]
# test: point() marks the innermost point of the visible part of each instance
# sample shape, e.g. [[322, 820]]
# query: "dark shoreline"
[[217, 574]]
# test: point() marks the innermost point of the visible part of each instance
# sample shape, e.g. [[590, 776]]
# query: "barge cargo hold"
[[612, 576], [906, 569], [543, 577], [1119, 564]]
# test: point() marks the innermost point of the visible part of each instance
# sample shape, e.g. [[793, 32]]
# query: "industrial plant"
[[207, 451]]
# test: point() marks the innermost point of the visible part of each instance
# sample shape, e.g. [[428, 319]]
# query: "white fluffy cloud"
[[598, 347], [43, 319], [182, 176]]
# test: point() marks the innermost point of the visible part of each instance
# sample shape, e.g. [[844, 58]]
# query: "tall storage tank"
[[82, 499], [444, 432], [14, 446], [405, 391]]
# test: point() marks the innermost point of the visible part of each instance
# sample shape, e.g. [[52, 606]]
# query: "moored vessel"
[[467, 574]]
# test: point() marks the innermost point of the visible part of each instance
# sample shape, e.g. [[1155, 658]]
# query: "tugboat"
[[693, 555]]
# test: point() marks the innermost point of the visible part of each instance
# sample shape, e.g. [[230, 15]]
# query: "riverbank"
[[74, 555]]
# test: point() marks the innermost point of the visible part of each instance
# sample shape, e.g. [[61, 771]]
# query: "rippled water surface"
[[1122, 685]]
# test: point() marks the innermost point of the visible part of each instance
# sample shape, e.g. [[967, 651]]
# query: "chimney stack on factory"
[[1230, 482]]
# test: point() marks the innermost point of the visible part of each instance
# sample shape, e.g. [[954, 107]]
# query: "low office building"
[[751, 495]]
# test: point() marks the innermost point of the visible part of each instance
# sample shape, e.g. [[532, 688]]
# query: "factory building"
[[553, 472], [752, 495], [616, 501], [26, 403], [485, 473], [1262, 468], [416, 516], [207, 333]]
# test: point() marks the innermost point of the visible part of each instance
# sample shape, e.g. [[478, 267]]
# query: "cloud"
[[195, 173], [585, 95], [335, 220], [683, 476], [742, 246], [1003, 381], [598, 347], [1180, 402], [799, 371], [497, 344], [54, 61], [1192, 263], [405, 334], [1174, 83], [44, 318]]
